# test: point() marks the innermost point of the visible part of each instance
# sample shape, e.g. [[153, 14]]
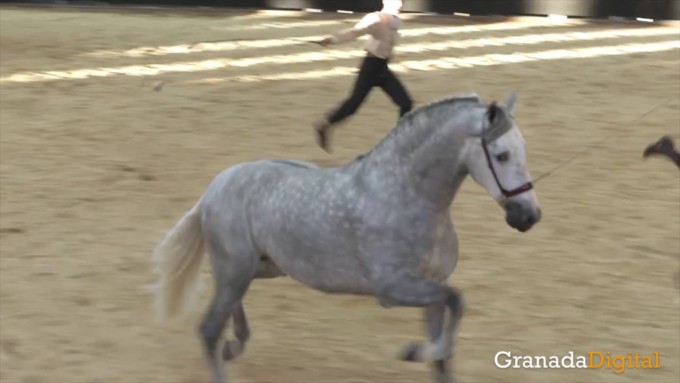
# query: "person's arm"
[[361, 28]]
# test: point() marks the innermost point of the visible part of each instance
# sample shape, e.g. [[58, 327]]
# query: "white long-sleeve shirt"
[[383, 29]]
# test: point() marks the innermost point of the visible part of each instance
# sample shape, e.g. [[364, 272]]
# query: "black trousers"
[[373, 72]]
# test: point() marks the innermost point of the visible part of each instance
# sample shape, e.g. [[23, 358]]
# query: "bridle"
[[529, 185], [507, 193]]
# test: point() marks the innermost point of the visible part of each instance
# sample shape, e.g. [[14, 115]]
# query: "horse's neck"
[[421, 156]]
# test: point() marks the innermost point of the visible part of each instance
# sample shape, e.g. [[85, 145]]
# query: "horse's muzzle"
[[520, 216]]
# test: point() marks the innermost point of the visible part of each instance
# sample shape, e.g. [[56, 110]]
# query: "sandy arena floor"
[[96, 169]]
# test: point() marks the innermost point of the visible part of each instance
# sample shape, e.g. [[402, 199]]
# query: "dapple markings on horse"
[[379, 225]]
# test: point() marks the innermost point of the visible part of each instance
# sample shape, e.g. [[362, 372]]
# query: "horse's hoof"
[[442, 372], [446, 379], [232, 349], [412, 352]]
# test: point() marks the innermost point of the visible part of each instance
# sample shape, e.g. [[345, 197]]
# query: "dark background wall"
[[596, 9]]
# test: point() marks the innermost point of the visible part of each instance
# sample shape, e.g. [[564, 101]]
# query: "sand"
[[95, 170]]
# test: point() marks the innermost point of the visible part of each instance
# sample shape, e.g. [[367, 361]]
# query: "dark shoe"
[[664, 147], [321, 128]]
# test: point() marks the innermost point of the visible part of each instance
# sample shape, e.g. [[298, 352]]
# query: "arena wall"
[[593, 9]]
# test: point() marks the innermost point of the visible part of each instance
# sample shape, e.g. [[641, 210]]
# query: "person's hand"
[[326, 41]]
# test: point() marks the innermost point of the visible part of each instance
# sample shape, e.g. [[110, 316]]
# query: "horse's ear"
[[492, 112], [499, 121], [511, 101], [496, 114]]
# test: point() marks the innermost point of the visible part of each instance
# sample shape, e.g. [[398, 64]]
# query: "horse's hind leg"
[[233, 272], [266, 269], [236, 347], [213, 324]]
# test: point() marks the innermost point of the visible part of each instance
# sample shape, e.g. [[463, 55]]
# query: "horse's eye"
[[502, 157]]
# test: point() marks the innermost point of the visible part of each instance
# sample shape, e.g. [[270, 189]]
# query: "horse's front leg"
[[435, 321], [408, 291]]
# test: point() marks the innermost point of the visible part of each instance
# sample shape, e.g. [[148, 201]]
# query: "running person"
[[382, 26]]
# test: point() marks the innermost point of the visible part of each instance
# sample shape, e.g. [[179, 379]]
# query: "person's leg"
[[395, 90], [365, 80]]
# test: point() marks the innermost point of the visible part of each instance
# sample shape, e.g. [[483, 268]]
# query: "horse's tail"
[[177, 260]]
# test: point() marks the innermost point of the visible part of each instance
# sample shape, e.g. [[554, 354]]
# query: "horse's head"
[[496, 159]]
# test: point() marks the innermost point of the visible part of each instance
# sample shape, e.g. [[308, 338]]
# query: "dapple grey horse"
[[379, 225]]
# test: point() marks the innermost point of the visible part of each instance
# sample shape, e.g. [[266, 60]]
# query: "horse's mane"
[[409, 122], [408, 118]]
